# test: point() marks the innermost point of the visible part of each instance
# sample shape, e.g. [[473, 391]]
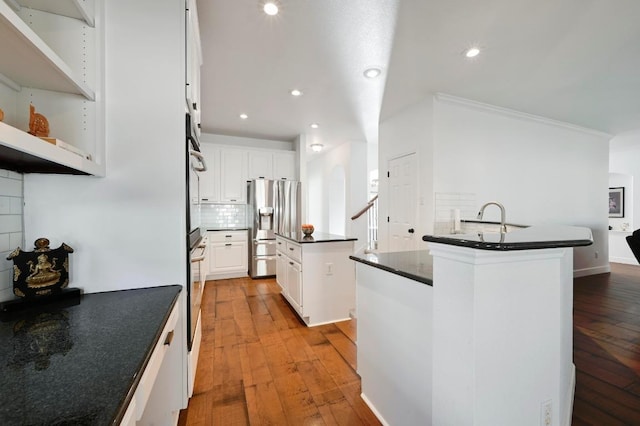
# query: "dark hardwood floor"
[[606, 347], [260, 365]]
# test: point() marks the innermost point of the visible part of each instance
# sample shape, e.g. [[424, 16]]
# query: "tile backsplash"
[[223, 215], [448, 202], [11, 228]]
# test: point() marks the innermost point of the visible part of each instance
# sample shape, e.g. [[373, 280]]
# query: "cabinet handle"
[[279, 242], [232, 200], [228, 236], [291, 248], [169, 338], [205, 199], [279, 254], [290, 263], [228, 244], [260, 177]]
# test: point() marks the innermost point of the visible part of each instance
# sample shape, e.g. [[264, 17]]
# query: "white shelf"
[[25, 153], [78, 9], [28, 61]]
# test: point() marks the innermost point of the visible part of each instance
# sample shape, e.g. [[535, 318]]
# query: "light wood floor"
[[260, 365]]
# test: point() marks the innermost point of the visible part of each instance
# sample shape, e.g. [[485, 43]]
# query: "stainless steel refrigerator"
[[274, 208]]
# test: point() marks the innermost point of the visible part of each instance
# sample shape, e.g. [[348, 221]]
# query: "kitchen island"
[[316, 276], [475, 331], [99, 359]]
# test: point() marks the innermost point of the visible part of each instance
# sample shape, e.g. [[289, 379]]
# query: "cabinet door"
[[294, 284], [284, 166], [260, 165], [210, 180], [228, 257], [233, 182], [281, 271]]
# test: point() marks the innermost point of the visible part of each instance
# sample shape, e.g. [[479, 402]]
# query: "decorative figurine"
[[1, 114], [41, 272], [38, 123]]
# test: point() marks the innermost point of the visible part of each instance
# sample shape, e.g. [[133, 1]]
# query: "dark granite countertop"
[[66, 363], [416, 265], [316, 237], [531, 238]]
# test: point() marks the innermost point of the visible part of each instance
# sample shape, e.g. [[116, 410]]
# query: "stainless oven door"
[[198, 255]]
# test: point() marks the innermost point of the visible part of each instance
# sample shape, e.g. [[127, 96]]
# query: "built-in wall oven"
[[195, 164], [196, 249]]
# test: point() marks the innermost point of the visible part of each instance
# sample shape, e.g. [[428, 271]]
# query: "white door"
[[403, 203]]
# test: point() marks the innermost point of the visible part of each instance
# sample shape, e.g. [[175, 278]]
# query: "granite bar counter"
[[529, 238], [416, 265], [316, 237], [79, 361]]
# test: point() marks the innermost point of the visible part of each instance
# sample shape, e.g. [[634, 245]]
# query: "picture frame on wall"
[[616, 202]]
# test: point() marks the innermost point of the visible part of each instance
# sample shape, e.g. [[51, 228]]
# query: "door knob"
[[411, 230]]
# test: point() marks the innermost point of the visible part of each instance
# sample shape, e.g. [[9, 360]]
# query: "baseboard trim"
[[625, 260], [577, 273], [373, 409]]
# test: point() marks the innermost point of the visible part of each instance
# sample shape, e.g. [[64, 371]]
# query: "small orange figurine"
[[38, 123], [1, 115]]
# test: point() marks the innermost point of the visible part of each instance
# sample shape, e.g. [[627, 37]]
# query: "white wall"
[[543, 172], [127, 229], [246, 142], [409, 131], [10, 228], [351, 157], [623, 162]]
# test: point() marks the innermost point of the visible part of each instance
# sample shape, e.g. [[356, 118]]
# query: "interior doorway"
[[403, 202]]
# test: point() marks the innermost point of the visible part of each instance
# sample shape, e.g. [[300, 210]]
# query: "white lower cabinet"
[[294, 284], [228, 254], [317, 279], [160, 395]]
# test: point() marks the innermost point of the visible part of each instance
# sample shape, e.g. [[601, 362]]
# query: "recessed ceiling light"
[[296, 92], [471, 52], [270, 8], [316, 147], [244, 116], [372, 72], [314, 125]]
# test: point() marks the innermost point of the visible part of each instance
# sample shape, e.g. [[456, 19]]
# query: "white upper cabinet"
[[263, 164], [284, 165], [49, 57], [233, 180], [193, 63], [260, 165], [210, 180]]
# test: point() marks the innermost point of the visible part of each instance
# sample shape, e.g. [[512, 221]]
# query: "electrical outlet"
[[545, 413], [329, 268]]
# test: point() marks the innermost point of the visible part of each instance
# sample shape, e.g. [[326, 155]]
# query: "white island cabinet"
[[316, 276], [476, 331]]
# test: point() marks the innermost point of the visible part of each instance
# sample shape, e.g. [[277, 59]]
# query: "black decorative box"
[[42, 272]]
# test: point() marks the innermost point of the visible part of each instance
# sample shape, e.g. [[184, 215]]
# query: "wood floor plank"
[[260, 365], [264, 406]]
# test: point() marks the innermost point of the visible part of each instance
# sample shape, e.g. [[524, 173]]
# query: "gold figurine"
[[38, 123]]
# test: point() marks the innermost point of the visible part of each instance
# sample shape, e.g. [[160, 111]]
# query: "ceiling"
[[576, 61]]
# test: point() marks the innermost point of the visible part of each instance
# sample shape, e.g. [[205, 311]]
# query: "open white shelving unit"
[[37, 73]]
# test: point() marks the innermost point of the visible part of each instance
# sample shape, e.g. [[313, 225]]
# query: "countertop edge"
[[405, 274], [496, 246], [328, 240], [122, 408]]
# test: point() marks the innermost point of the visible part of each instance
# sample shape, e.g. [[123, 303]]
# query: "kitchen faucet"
[[503, 226]]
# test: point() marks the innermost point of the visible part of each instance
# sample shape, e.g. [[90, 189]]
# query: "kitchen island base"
[[316, 277]]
